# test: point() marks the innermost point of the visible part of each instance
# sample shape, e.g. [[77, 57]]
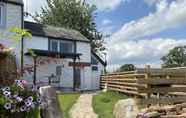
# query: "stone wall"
[[8, 69]]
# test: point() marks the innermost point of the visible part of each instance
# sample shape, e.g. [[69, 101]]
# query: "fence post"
[[147, 76]]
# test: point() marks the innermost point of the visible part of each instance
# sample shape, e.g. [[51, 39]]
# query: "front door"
[[58, 75], [77, 78]]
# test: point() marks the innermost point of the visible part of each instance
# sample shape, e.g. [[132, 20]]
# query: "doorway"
[[58, 75], [77, 78]]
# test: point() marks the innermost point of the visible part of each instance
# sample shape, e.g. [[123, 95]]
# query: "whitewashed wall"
[[95, 75], [84, 49], [44, 71], [36, 43], [13, 19]]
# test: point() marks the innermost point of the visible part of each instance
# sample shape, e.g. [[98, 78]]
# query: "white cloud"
[[166, 16], [162, 5], [107, 30], [122, 48], [32, 6], [106, 27], [141, 52], [106, 5], [106, 22]]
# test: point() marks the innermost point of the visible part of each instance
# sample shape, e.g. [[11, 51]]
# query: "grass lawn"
[[36, 113], [66, 101], [103, 103]]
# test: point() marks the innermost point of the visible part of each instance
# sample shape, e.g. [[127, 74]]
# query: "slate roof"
[[54, 32], [14, 1]]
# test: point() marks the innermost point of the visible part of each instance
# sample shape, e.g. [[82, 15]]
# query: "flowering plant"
[[19, 98]]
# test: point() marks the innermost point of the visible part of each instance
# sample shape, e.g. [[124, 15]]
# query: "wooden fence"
[[158, 85]]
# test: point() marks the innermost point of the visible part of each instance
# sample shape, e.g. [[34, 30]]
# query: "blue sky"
[[124, 13], [141, 31]]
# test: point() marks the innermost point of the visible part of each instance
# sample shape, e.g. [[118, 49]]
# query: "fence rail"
[[150, 83]]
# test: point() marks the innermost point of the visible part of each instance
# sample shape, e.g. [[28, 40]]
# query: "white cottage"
[[11, 15], [72, 64]]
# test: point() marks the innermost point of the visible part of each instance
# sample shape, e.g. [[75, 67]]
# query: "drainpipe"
[[74, 75], [35, 69], [74, 67], [22, 41]]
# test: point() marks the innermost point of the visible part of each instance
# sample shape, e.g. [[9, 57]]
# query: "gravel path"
[[83, 107]]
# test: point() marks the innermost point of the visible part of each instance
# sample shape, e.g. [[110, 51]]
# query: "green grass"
[[66, 101], [103, 103], [36, 113]]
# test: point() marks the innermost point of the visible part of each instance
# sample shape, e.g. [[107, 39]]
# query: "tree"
[[127, 67], [72, 14], [175, 58]]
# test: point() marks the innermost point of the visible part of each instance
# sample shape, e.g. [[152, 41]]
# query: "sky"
[[140, 31]]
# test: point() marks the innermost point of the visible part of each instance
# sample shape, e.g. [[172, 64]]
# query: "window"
[[66, 47], [2, 15], [54, 45], [61, 46], [59, 70], [94, 68], [94, 61]]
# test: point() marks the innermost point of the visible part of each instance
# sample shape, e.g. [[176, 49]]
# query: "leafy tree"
[[72, 14], [175, 58], [127, 67]]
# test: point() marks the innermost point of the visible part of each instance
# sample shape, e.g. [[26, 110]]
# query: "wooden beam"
[[160, 81], [124, 76], [162, 90]]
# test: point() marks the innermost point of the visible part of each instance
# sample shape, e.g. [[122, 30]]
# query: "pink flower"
[[24, 82]]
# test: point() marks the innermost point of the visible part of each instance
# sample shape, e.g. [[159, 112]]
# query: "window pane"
[[63, 47], [58, 70], [54, 46], [66, 47], [94, 61]]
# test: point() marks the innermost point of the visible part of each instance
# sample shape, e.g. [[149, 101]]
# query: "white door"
[[95, 78], [83, 79], [58, 76]]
